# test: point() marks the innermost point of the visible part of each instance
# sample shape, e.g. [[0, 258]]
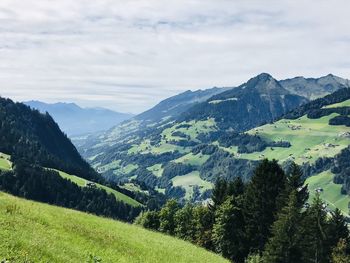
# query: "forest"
[[268, 220]]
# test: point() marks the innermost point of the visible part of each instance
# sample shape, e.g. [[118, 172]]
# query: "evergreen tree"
[[261, 202], [295, 181], [228, 230], [284, 245], [337, 229], [315, 240], [236, 187], [219, 193], [167, 217]]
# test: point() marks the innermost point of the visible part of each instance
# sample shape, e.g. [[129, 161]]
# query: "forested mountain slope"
[[34, 155]]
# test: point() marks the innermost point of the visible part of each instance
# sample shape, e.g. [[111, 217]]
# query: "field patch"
[[82, 183], [5, 163], [331, 192], [189, 181]]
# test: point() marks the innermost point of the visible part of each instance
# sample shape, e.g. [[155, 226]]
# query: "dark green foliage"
[[221, 164], [149, 220], [172, 170], [167, 217], [185, 223], [341, 169], [228, 230], [285, 245], [262, 202], [340, 120], [315, 240]]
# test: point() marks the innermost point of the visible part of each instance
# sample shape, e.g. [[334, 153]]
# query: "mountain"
[[313, 88], [174, 106], [262, 99], [226, 136], [36, 232], [39, 162], [75, 120]]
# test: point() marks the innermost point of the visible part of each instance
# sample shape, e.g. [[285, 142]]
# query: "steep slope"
[[35, 137], [63, 235], [75, 120], [174, 106], [262, 99], [313, 88], [34, 155]]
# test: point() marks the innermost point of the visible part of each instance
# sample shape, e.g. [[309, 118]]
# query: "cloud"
[[130, 54]]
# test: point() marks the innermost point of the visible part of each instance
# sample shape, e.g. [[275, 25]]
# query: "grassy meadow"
[[35, 232]]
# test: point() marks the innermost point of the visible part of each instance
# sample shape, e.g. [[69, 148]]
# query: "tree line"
[[39, 184], [266, 220]]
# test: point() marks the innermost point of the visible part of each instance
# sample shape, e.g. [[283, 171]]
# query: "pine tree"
[[236, 187], [261, 202], [228, 230], [284, 245], [295, 181], [315, 240], [337, 229], [219, 193]]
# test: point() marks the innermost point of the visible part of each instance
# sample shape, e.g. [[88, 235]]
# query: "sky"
[[128, 55]]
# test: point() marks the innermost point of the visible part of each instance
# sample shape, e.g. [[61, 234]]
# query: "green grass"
[[156, 169], [189, 180], [192, 159], [345, 103], [308, 143], [331, 192], [5, 163], [82, 182], [35, 232]]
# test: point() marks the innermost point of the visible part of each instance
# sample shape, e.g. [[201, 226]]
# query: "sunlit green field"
[[190, 180], [82, 182], [192, 159], [35, 232], [345, 103], [309, 138], [331, 191], [5, 163]]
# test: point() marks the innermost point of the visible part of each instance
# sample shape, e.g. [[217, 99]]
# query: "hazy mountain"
[[75, 120], [313, 88], [174, 106]]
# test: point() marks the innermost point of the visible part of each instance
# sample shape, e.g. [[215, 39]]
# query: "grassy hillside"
[[82, 182], [5, 163], [331, 191], [309, 139], [36, 232]]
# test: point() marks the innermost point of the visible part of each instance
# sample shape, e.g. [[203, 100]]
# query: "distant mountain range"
[[75, 120]]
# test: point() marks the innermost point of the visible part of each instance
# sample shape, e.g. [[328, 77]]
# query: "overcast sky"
[[129, 55]]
